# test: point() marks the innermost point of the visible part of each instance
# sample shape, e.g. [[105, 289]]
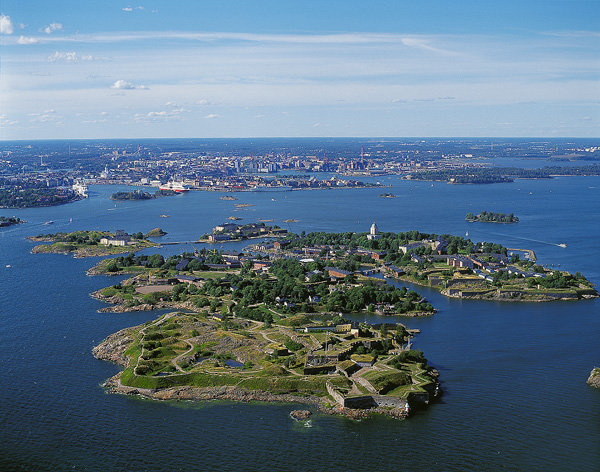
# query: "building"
[[374, 233], [121, 238]]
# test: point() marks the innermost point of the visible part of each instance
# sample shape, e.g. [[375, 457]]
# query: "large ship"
[[266, 188], [80, 189], [175, 186]]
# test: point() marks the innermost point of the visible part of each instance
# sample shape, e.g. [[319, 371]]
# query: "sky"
[[79, 69]]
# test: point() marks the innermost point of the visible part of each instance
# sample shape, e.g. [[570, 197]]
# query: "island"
[[491, 217], [139, 195], [451, 264], [278, 322], [339, 368], [491, 175], [93, 243], [235, 232], [9, 221]]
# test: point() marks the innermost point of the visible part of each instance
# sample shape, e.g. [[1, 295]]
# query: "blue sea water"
[[513, 374]]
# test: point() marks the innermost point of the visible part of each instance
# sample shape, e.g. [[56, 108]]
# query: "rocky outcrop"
[[300, 415], [113, 348], [594, 378]]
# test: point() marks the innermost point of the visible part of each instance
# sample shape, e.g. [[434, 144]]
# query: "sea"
[[513, 374]]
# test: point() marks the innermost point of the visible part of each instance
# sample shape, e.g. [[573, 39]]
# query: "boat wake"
[[530, 239]]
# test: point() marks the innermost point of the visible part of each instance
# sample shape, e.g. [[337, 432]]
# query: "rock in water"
[[300, 415]]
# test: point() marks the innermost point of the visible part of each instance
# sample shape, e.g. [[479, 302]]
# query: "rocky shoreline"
[[232, 393], [594, 378]]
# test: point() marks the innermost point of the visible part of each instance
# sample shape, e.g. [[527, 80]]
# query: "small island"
[[491, 217], [234, 232], [9, 221], [139, 195], [93, 243]]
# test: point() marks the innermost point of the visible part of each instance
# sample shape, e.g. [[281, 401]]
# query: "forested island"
[[93, 243], [491, 175], [491, 217], [9, 221], [454, 265], [140, 195]]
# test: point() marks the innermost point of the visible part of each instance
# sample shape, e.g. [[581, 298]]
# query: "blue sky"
[[114, 69]]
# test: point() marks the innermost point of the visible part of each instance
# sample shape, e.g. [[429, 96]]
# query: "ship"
[[266, 188], [80, 189], [562, 245], [178, 187]]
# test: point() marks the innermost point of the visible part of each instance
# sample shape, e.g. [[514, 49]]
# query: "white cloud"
[[69, 57], [124, 85], [127, 9], [6, 26], [5, 121], [52, 27], [212, 115], [27, 40]]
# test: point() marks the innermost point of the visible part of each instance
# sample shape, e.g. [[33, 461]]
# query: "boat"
[[178, 187], [467, 234], [49, 222], [164, 216], [562, 245], [8, 266]]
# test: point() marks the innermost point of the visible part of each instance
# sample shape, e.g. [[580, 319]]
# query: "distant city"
[[28, 170]]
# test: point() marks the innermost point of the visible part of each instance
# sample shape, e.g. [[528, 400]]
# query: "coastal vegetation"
[[491, 217], [202, 280], [17, 197], [9, 221]]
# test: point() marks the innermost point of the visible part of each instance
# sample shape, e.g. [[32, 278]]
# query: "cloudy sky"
[[241, 68]]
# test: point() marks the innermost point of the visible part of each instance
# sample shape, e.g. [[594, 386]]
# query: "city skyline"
[[234, 69]]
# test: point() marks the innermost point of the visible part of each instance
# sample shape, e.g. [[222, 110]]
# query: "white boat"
[[175, 186], [562, 245]]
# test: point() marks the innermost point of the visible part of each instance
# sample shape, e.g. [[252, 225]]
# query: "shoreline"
[[236, 394]]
